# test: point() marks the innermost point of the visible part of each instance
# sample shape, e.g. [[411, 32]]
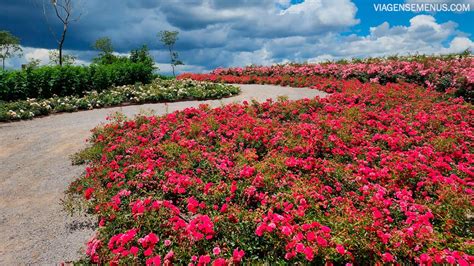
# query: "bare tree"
[[65, 12]]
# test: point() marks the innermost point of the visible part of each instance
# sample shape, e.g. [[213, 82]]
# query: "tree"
[[64, 11], [66, 59], [169, 38], [142, 55], [32, 64], [9, 46], [106, 49], [104, 45]]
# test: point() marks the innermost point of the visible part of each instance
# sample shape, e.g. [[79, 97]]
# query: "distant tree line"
[[67, 12]]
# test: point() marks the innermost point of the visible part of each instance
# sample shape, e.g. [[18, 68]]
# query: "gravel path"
[[35, 170]]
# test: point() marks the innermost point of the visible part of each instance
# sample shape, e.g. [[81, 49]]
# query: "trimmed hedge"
[[157, 91], [47, 81]]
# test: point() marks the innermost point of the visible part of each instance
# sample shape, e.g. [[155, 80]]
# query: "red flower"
[[203, 260], [309, 254], [387, 257], [340, 249], [134, 250], [219, 262], [88, 193], [155, 261], [237, 255]]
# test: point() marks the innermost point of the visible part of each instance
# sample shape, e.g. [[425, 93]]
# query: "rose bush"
[[326, 84], [372, 174], [157, 91], [453, 75]]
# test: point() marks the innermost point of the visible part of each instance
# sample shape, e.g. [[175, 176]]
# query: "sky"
[[224, 33]]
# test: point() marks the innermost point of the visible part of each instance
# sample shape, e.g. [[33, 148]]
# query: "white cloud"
[[42, 54], [458, 44], [265, 18], [36, 53], [321, 12], [423, 35]]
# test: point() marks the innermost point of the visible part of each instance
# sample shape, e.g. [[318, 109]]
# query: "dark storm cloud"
[[215, 33]]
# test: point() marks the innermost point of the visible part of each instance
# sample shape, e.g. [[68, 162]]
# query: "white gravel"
[[35, 170]]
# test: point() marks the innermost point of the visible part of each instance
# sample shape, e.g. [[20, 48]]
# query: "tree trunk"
[[60, 55], [171, 58], [61, 43]]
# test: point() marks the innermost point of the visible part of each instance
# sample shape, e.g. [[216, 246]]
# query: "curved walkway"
[[35, 170]]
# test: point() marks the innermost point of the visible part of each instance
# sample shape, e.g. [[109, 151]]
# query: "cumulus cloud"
[[422, 35], [217, 33]]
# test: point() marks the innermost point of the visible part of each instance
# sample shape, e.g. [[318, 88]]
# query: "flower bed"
[[157, 91], [453, 75], [377, 173], [326, 84]]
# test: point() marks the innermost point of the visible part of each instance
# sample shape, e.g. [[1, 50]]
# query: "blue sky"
[[221, 33]]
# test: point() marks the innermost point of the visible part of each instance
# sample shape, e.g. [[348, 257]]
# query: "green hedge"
[[157, 91], [44, 82]]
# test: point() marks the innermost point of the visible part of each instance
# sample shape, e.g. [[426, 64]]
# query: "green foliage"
[[142, 55], [32, 63], [44, 82], [157, 91], [104, 45], [88, 154], [68, 59], [9, 46], [106, 49], [169, 38]]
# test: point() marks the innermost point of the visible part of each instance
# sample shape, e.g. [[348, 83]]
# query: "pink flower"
[[321, 241], [247, 171], [311, 236], [325, 229], [300, 247], [286, 230], [193, 205], [169, 255], [134, 250], [148, 252], [237, 255], [425, 258], [340, 249], [155, 261], [203, 260], [309, 254], [219, 262], [216, 251], [450, 260], [223, 208], [92, 246], [387, 257]]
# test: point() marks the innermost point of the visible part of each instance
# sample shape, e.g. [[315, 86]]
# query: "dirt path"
[[35, 170]]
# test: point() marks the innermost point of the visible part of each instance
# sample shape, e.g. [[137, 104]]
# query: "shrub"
[[452, 74], [47, 81], [374, 174], [157, 91]]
